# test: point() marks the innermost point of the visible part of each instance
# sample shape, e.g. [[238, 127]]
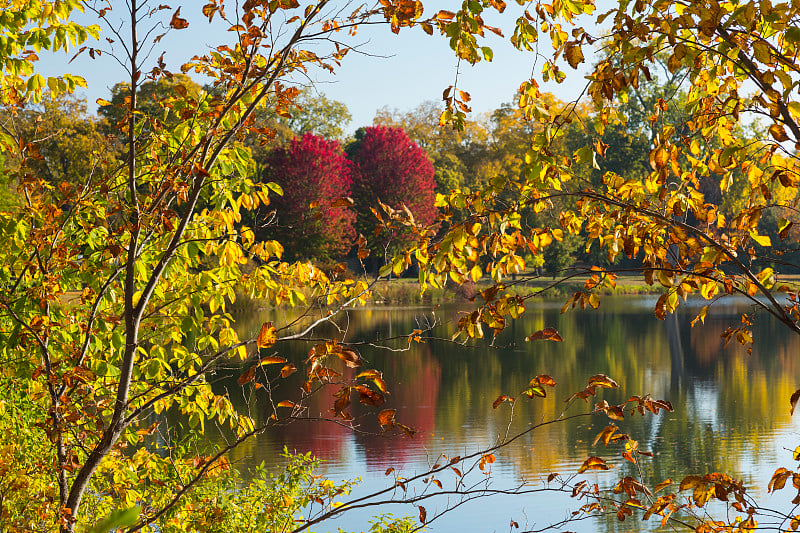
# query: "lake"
[[731, 409]]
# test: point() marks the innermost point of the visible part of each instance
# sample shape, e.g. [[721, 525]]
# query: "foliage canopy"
[[117, 284]]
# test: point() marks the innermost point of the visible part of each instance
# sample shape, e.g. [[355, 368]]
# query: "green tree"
[[151, 97], [66, 143]]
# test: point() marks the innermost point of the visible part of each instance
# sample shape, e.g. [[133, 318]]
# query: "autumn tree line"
[[331, 184]]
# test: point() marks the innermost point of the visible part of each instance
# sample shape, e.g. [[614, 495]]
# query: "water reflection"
[[731, 408]]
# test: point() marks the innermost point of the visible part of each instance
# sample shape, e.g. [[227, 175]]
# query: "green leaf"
[[107, 370], [118, 518], [274, 187], [792, 34]]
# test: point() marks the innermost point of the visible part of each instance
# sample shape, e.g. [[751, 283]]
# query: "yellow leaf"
[[763, 240]]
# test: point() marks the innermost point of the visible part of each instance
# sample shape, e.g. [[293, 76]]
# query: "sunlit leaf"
[[662, 485], [349, 356], [266, 336], [500, 399], [593, 463], [548, 334], [605, 435], [386, 417], [601, 380]]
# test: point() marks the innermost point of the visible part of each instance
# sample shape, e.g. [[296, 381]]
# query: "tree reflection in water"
[[731, 411]]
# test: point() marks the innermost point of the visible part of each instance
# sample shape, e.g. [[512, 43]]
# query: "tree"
[[455, 153], [115, 295], [314, 113], [152, 96], [66, 144], [390, 168], [313, 212]]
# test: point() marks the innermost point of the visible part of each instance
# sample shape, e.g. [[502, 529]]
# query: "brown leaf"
[[593, 463], [605, 435], [601, 380], [574, 54], [342, 202], [342, 400], [177, 22], [408, 431], [547, 334], [247, 376], [614, 412], [690, 482], [423, 515], [350, 357], [288, 370], [368, 396], [793, 401], [778, 133]]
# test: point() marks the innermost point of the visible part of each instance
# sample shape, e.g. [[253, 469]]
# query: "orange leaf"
[[544, 379], [270, 360], [288, 370], [266, 336], [342, 202], [593, 463], [663, 484], [500, 399], [386, 417]]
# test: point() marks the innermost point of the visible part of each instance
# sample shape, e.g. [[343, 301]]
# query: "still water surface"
[[731, 408]]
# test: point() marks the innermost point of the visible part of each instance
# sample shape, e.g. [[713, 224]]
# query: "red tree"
[[314, 173], [392, 168]]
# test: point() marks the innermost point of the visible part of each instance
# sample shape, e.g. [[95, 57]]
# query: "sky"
[[395, 71]]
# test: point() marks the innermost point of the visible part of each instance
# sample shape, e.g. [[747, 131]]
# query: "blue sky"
[[400, 72]]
